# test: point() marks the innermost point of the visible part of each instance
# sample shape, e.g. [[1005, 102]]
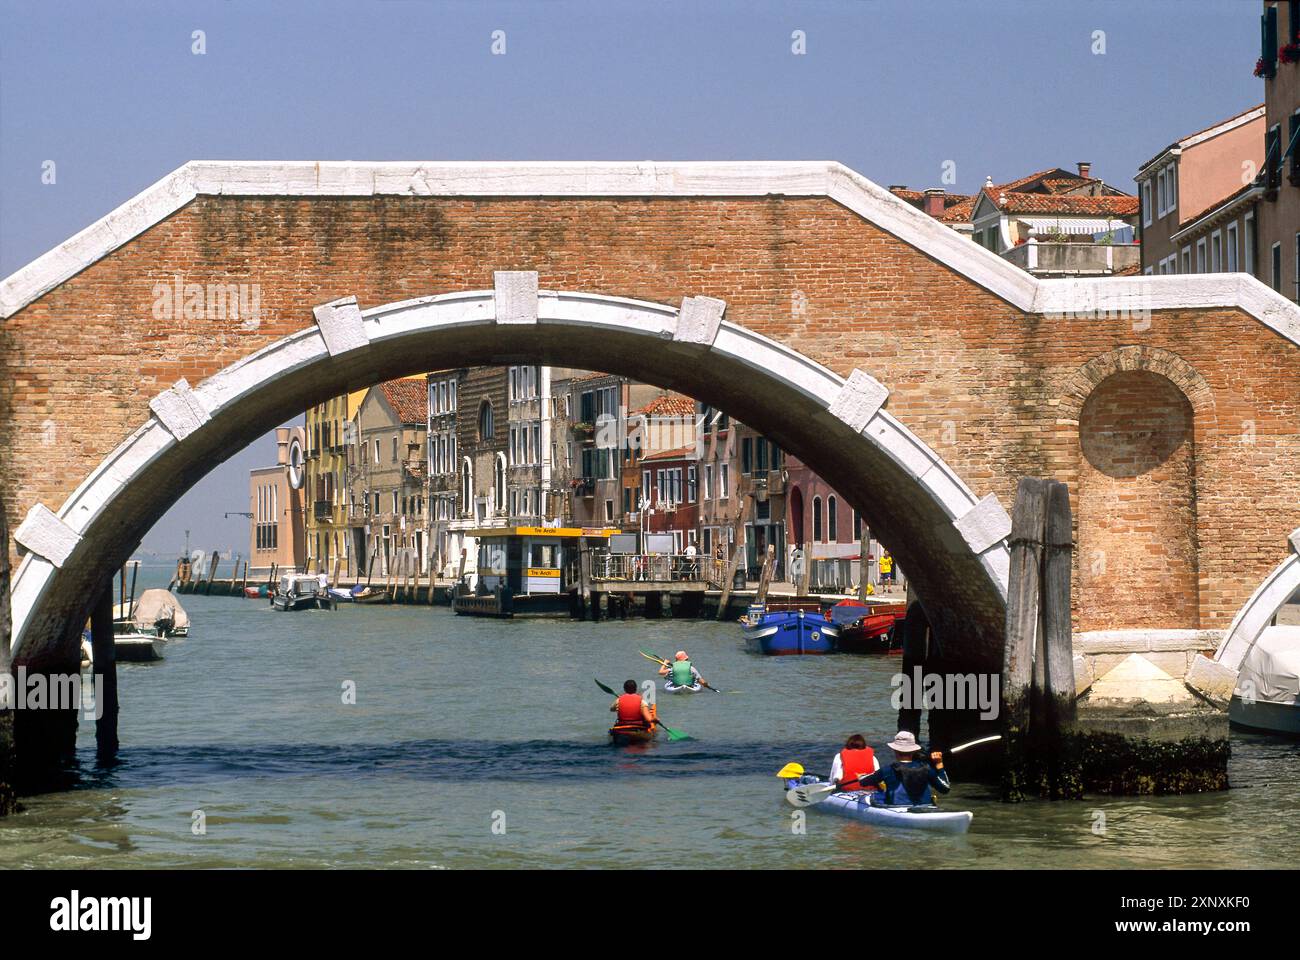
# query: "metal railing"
[[656, 567]]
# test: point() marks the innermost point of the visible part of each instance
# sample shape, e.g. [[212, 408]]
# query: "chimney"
[[1085, 168], [933, 203]]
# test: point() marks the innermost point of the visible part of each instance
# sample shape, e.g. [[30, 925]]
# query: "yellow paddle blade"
[[650, 656], [790, 770]]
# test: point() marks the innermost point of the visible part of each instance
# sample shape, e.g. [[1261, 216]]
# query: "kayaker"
[[855, 760], [631, 710], [681, 672], [909, 779]]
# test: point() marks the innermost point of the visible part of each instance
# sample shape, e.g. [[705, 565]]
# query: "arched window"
[[499, 482], [832, 528], [466, 488], [817, 519], [485, 431]]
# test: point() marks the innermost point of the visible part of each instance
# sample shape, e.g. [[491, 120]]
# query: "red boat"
[[869, 627]]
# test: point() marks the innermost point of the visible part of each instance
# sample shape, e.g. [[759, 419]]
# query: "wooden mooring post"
[[1040, 752], [104, 654]]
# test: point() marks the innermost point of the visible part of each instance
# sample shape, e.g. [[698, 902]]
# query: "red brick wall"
[[975, 378], [1137, 504]]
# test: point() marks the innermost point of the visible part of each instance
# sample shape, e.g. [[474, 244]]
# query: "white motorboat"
[[1266, 696]]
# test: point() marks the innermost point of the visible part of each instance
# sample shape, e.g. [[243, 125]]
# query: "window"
[[760, 458], [817, 519], [395, 501], [485, 429], [1200, 255], [1294, 138], [1171, 189], [1160, 194], [1232, 248], [394, 449], [376, 449], [832, 526], [723, 471], [690, 485], [1268, 43], [1277, 267], [708, 481], [609, 511], [1273, 157], [1252, 243], [1216, 252], [747, 455], [1187, 259], [1146, 203]]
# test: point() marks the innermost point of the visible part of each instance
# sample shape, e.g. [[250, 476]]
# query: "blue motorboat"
[[789, 631]]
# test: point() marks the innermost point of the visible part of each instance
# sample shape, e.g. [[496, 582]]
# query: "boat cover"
[[1271, 670], [160, 605]]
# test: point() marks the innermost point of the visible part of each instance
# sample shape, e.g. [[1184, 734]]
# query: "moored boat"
[[299, 591], [862, 805], [1266, 695], [138, 646], [790, 631], [869, 628]]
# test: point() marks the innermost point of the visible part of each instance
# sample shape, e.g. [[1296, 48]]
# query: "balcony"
[[583, 486], [323, 510], [1047, 258]]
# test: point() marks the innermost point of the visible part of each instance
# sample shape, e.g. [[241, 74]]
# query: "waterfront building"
[[326, 483], [391, 461], [761, 467], [277, 534], [1198, 199], [828, 529], [720, 501], [598, 431], [660, 476], [442, 504]]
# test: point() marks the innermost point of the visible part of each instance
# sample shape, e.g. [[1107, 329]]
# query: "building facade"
[[391, 458], [277, 529], [1279, 203], [327, 483]]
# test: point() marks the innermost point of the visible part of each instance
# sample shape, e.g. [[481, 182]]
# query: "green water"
[[477, 743]]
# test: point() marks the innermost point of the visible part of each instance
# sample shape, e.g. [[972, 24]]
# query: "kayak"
[[857, 805], [670, 687], [624, 736]]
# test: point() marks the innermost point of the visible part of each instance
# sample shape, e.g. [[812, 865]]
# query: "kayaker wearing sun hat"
[[681, 672], [907, 781], [855, 760]]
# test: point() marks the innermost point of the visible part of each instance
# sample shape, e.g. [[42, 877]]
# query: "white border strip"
[[873, 203]]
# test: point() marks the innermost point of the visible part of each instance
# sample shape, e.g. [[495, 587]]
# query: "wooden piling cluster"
[[1041, 750]]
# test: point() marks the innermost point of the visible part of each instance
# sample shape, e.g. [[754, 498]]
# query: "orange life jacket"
[[629, 710], [856, 763]]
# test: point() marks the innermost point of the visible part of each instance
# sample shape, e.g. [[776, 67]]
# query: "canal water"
[[482, 744]]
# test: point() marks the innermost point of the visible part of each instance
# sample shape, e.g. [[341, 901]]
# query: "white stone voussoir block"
[[698, 320], [43, 533], [341, 325], [179, 410], [859, 400], [984, 524], [1294, 540], [515, 293]]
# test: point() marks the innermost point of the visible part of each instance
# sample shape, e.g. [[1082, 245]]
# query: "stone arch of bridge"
[[951, 542]]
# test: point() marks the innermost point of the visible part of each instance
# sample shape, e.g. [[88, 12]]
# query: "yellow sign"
[[565, 532], [543, 572]]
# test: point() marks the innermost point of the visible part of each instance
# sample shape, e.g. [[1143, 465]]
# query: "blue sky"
[[114, 95]]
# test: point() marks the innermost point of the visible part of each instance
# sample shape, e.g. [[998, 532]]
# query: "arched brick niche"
[[1135, 417]]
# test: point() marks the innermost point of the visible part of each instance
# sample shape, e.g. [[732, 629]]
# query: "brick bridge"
[[919, 373]]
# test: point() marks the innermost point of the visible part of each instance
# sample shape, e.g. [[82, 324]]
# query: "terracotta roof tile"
[[677, 453], [669, 405], [1123, 205], [409, 398]]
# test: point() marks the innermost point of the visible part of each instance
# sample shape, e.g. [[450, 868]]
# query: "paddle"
[[814, 793], [672, 734], [660, 660]]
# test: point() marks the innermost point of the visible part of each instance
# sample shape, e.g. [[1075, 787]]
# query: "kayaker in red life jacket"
[[630, 709], [855, 760]]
